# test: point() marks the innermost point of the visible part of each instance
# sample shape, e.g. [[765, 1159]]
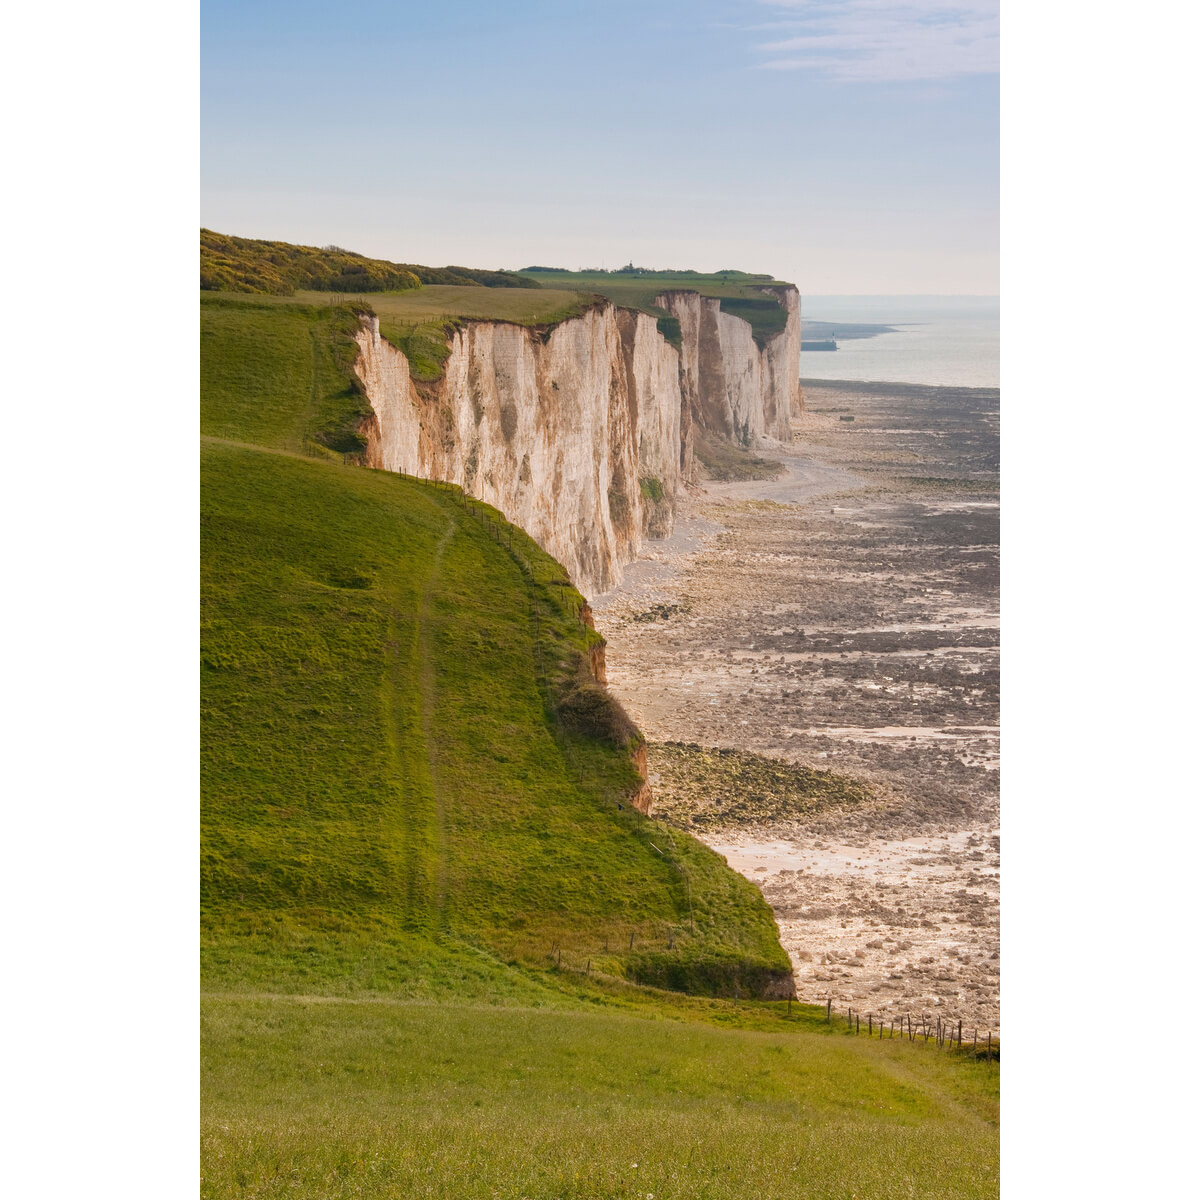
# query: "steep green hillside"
[[280, 376], [400, 735]]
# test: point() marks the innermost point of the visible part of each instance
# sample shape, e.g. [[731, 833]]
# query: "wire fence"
[[942, 1032]]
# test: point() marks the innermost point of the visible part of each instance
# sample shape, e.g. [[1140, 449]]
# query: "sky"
[[850, 147]]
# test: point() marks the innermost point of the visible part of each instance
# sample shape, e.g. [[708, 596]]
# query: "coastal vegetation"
[[721, 788], [238, 264]]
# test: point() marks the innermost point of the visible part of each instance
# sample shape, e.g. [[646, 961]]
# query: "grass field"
[[428, 914], [346, 1099]]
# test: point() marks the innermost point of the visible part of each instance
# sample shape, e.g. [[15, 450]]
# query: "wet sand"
[[846, 616]]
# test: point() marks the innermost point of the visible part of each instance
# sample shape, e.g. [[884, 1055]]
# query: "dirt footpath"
[[845, 617]]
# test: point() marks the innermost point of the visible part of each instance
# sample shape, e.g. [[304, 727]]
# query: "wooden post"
[[588, 972], [960, 1033], [870, 1030], [856, 1023], [631, 939], [829, 1009], [850, 1017], [989, 1058]]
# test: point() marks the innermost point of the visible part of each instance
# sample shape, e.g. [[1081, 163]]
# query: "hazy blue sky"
[[851, 147]]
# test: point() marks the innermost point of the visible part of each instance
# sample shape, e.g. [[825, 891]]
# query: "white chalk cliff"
[[582, 435]]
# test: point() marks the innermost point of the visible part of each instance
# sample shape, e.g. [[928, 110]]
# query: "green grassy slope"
[[396, 744], [280, 376]]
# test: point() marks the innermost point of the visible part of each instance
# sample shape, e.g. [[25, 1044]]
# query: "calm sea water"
[[950, 341]]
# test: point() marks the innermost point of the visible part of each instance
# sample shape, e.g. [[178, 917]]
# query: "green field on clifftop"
[[431, 924], [741, 295]]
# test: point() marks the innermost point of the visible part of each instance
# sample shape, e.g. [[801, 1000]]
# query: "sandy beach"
[[842, 617]]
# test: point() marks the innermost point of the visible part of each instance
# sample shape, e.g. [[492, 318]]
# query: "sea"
[[947, 341]]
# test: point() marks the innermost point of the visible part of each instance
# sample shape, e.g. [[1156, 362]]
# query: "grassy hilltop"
[[441, 955], [236, 264]]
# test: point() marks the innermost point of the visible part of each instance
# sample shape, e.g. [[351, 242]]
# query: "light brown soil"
[[845, 616]]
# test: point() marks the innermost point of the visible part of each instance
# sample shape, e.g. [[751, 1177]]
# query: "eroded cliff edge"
[[583, 434]]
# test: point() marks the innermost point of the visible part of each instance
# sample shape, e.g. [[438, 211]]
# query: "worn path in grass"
[[844, 616], [428, 707]]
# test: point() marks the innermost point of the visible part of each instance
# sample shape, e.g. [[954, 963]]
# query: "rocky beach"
[[815, 660]]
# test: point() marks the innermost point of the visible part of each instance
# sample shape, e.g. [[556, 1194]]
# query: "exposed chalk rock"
[[581, 435]]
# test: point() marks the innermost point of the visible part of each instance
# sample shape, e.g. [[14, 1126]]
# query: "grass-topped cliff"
[[740, 294], [436, 938], [401, 738], [418, 306]]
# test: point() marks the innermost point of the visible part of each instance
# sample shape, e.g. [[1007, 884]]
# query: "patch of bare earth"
[[843, 618]]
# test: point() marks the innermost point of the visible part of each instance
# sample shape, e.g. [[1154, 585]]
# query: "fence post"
[[829, 1010]]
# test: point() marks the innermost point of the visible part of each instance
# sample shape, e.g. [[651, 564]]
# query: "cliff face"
[[734, 389], [557, 431], [582, 435]]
